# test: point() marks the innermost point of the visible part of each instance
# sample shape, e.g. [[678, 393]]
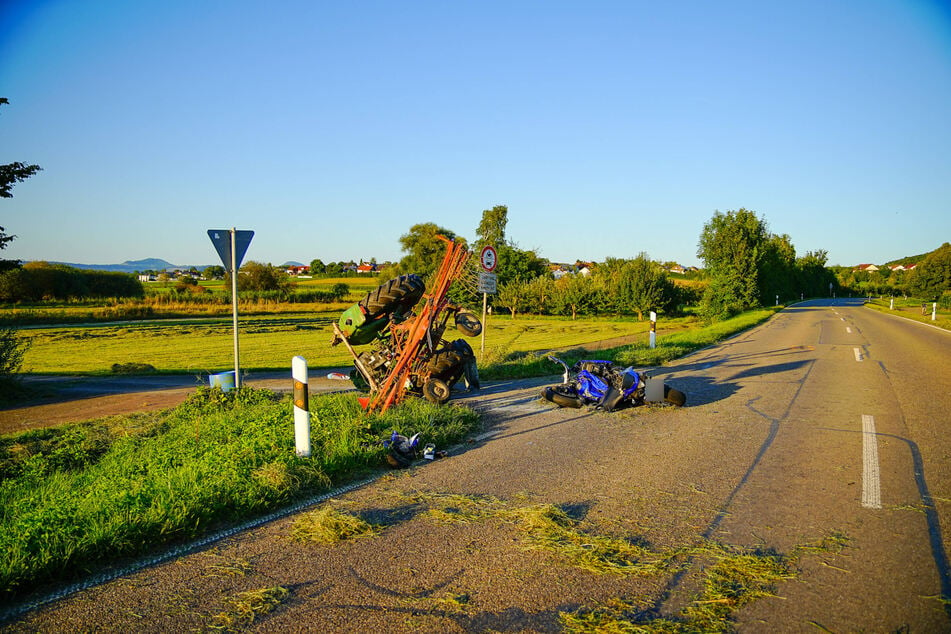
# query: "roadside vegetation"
[[914, 309], [80, 496]]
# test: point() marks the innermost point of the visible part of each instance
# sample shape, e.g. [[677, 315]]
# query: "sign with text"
[[487, 282]]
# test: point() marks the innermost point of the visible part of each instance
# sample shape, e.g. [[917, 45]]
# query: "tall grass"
[[83, 495]]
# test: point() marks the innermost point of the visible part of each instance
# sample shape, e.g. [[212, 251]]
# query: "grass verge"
[[79, 496], [912, 309]]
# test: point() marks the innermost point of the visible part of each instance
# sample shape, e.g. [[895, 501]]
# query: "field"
[[270, 342]]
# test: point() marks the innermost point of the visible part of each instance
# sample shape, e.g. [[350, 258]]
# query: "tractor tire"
[[436, 391], [398, 294], [676, 397], [468, 324], [447, 365], [563, 396]]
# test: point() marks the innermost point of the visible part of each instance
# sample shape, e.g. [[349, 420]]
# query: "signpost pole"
[[231, 246], [488, 259], [485, 303], [234, 306]]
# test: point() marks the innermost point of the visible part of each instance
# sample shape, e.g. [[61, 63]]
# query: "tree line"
[[930, 280]]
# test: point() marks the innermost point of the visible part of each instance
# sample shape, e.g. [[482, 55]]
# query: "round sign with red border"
[[489, 258]]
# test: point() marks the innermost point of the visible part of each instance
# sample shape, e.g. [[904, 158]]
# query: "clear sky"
[[608, 128]]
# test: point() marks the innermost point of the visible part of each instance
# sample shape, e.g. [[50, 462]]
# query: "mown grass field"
[[270, 342]]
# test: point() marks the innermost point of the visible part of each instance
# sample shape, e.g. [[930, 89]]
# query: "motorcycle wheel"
[[563, 396], [436, 391], [676, 397]]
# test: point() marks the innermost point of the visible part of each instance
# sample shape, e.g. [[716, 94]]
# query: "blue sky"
[[608, 128]]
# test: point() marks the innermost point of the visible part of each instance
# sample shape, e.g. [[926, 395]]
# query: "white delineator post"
[[301, 406], [653, 329]]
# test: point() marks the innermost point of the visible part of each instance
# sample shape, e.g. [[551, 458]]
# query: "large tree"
[[12, 345], [13, 173], [491, 230], [424, 248], [933, 276], [732, 246], [639, 286], [10, 175]]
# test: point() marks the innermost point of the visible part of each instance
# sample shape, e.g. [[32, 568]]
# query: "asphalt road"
[[828, 420]]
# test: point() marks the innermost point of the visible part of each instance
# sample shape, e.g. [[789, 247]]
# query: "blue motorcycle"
[[603, 385]]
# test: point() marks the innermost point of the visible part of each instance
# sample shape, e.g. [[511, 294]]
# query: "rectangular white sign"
[[487, 282]]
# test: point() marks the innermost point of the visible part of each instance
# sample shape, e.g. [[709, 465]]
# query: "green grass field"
[[270, 342]]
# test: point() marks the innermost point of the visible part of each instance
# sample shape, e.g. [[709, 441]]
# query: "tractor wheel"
[[447, 365], [398, 294], [468, 324], [436, 391]]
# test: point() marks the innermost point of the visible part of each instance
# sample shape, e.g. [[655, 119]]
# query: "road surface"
[[828, 421]]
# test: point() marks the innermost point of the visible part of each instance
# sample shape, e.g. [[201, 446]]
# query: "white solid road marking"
[[858, 354], [871, 485]]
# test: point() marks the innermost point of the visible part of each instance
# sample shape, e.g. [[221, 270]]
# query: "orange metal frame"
[[413, 335]]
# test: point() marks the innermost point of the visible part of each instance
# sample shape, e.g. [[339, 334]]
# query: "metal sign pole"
[[485, 303], [234, 306]]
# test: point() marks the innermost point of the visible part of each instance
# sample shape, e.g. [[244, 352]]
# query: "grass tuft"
[[245, 608], [734, 578], [329, 526]]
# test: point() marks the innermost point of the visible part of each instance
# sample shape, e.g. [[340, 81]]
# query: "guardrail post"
[[301, 406]]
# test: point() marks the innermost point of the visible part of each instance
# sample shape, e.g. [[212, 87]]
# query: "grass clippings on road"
[[730, 577]]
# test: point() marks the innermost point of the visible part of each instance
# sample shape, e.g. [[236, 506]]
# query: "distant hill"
[[131, 266], [911, 259]]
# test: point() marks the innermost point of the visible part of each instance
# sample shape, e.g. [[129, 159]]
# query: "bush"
[[39, 280]]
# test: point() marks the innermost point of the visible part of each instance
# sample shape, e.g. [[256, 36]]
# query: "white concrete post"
[[653, 329], [891, 304], [301, 406], [934, 311]]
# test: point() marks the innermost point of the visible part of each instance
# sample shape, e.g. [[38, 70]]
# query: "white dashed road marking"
[[871, 485]]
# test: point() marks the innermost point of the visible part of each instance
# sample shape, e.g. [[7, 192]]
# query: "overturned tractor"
[[404, 327]]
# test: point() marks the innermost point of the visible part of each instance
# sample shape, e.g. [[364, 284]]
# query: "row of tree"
[[615, 287], [36, 281], [929, 280], [748, 266]]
